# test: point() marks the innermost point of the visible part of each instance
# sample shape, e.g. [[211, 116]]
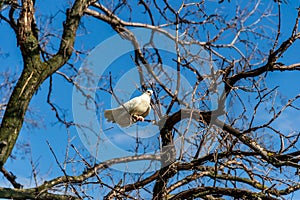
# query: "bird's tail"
[[108, 114], [119, 116]]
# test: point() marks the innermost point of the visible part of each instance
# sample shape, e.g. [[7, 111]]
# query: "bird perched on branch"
[[130, 112]]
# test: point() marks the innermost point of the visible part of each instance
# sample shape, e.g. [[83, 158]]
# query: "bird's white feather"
[[138, 106]]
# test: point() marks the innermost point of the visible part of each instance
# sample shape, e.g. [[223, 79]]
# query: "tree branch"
[[34, 72], [233, 192]]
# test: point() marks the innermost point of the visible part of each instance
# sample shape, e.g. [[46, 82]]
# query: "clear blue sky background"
[[53, 132]]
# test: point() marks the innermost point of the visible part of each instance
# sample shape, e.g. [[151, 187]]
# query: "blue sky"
[[56, 134]]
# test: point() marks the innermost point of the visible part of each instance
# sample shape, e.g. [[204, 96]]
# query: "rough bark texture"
[[245, 164], [34, 71]]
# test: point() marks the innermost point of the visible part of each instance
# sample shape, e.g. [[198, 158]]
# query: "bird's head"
[[149, 92]]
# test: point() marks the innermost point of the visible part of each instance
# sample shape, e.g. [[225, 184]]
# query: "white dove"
[[130, 112]]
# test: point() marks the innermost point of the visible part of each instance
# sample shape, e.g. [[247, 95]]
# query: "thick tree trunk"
[[35, 71], [168, 153]]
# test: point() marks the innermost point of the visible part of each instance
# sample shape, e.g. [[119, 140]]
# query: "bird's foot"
[[138, 118]]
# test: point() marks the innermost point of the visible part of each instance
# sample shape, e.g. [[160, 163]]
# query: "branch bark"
[[233, 192], [35, 71]]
